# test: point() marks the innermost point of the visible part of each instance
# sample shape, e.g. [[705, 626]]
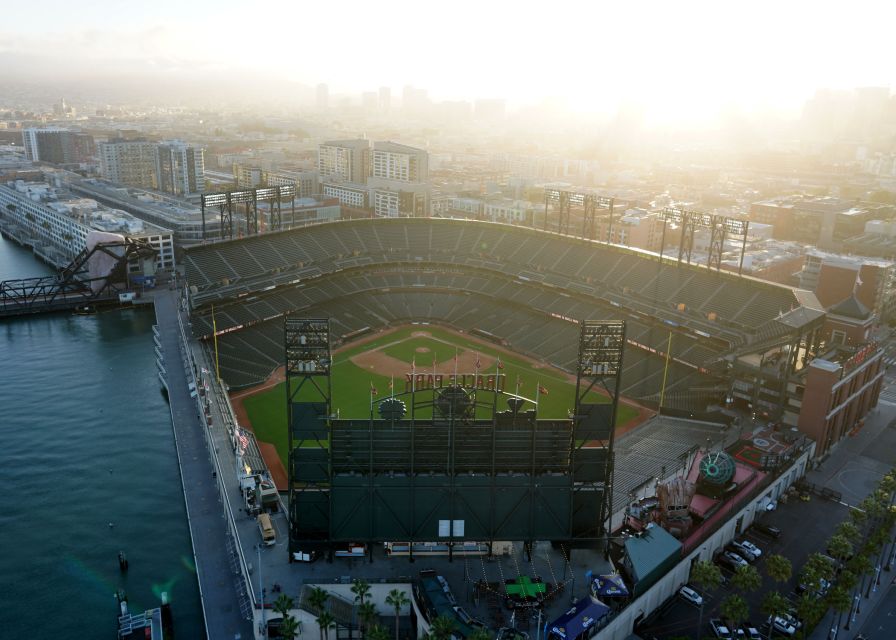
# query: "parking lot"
[[805, 526], [852, 470]]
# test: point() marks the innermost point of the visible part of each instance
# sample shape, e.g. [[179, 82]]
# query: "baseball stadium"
[[420, 379]]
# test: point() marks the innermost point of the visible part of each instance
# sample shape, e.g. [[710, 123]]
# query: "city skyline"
[[670, 64]]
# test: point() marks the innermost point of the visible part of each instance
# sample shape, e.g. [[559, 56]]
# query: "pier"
[[221, 568]]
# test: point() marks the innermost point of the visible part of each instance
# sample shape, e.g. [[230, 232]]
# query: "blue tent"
[[584, 615], [609, 585]]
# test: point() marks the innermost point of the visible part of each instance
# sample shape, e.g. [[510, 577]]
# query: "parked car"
[[720, 630], [819, 589], [745, 548], [791, 619], [767, 529], [782, 626], [691, 596], [750, 631], [743, 553], [733, 559]]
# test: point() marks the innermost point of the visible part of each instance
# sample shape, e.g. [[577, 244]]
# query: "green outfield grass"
[[351, 384]]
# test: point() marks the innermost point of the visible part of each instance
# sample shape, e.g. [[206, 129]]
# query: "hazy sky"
[[679, 59]]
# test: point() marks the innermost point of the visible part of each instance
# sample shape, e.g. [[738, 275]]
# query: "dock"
[[220, 569]]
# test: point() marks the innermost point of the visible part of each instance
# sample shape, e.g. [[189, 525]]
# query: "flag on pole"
[[478, 361], [542, 390], [373, 390], [500, 364], [414, 365], [455, 365]]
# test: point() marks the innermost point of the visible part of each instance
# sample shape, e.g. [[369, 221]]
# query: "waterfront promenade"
[[225, 603]]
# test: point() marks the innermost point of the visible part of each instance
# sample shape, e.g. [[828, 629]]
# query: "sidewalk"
[[854, 469]]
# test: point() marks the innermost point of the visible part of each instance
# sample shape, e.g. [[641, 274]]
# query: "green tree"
[[860, 565], [377, 632], [325, 621], [283, 604], [289, 629], [397, 599], [480, 634], [839, 600], [317, 598], [361, 589], [735, 609], [810, 609], [746, 579], [840, 547], [708, 577], [367, 614], [773, 604], [778, 568], [442, 627]]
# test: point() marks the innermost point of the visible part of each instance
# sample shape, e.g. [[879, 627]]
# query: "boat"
[[152, 624]]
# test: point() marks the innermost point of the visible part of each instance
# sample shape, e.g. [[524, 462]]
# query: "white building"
[[399, 178], [56, 222], [356, 196], [344, 160], [180, 168]]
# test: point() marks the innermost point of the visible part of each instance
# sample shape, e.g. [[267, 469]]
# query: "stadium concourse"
[[524, 288]]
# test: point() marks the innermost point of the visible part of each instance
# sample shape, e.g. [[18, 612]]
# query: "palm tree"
[[735, 609], [325, 621], [840, 547], [283, 604], [361, 589], [366, 615], [778, 568], [397, 599], [289, 628], [708, 577], [860, 565], [746, 579], [810, 609], [442, 627], [318, 599], [377, 632], [772, 605], [840, 601], [480, 634]]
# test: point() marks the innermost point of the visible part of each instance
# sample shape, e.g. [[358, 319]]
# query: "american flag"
[[373, 390], [478, 362], [500, 364], [542, 390], [244, 442]]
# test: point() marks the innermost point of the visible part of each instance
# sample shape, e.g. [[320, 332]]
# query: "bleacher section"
[[371, 273], [227, 269], [379, 300]]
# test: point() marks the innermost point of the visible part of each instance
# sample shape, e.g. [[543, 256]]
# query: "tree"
[[377, 632], [708, 577], [442, 627], [810, 609], [840, 547], [367, 614], [325, 621], [289, 628], [283, 604], [318, 599], [735, 609], [839, 600], [773, 604], [480, 634], [817, 567], [361, 589], [397, 599], [746, 579], [778, 568]]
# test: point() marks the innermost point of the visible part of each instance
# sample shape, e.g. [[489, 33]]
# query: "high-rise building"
[[173, 167], [130, 162], [180, 168], [385, 98], [399, 180], [398, 162], [344, 160], [323, 96], [57, 145]]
